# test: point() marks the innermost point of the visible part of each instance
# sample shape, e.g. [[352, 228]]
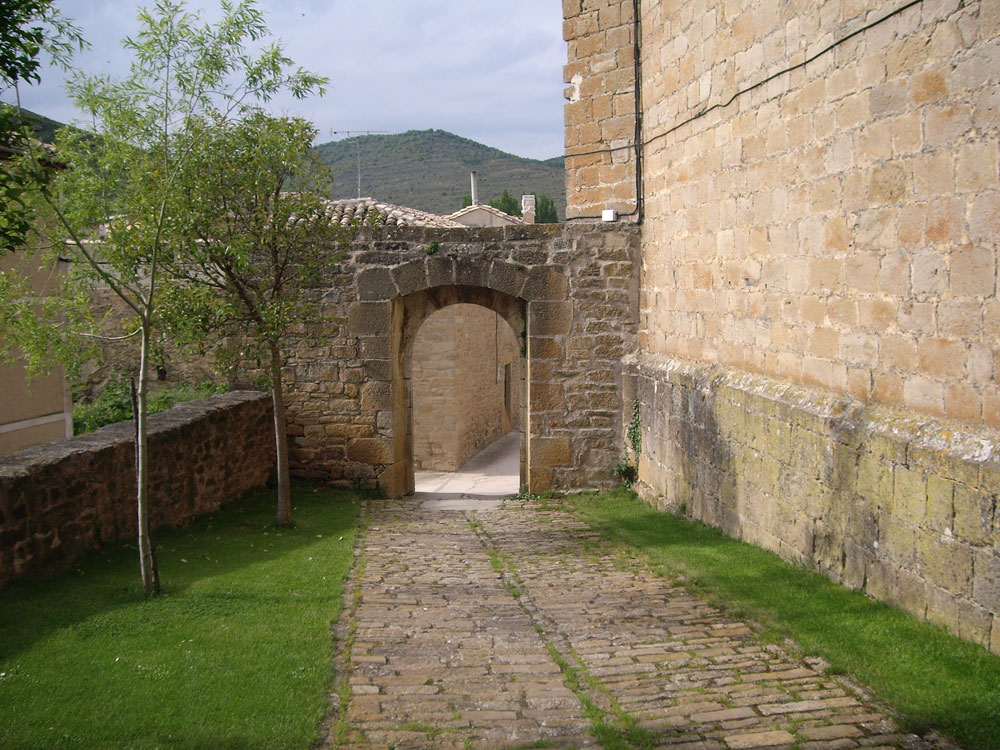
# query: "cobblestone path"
[[518, 627]]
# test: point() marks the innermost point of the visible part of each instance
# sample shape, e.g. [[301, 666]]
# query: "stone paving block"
[[759, 739], [457, 614]]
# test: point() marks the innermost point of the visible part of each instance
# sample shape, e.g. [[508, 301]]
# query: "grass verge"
[[933, 679], [234, 654]]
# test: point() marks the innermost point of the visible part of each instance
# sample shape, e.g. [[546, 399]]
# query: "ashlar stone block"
[[376, 284], [550, 318], [546, 452], [368, 319]]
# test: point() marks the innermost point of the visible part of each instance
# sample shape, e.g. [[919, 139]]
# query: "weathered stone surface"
[[550, 318], [410, 277], [376, 284], [868, 496], [371, 451], [367, 318]]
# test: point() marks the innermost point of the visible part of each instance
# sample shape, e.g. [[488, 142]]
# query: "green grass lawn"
[[235, 653], [933, 679]]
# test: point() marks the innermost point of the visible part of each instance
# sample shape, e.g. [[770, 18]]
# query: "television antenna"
[[357, 140]]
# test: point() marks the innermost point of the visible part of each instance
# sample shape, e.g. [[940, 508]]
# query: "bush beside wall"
[[61, 500]]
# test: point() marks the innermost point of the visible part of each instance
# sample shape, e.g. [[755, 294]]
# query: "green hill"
[[425, 169], [429, 170], [43, 128]]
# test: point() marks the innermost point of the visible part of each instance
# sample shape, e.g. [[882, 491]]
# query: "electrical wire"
[[638, 145]]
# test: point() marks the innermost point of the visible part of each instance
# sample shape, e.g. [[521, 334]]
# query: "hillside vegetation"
[[42, 127], [425, 169], [429, 170]]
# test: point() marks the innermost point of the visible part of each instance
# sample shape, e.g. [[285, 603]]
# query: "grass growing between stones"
[[234, 654], [933, 679]]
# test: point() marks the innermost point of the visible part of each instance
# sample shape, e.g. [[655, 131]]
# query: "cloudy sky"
[[489, 71]]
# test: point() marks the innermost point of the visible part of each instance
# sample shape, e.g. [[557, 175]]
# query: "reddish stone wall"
[[61, 500]]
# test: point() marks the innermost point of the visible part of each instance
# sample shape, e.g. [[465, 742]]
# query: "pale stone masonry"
[[819, 335], [837, 226], [600, 109]]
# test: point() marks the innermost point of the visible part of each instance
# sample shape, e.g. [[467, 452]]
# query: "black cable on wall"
[[638, 144]]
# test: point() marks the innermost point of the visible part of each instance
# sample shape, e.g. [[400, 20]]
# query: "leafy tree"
[[253, 246], [28, 28], [545, 211], [121, 203], [507, 203]]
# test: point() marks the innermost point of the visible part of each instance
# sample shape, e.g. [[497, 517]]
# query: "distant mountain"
[[43, 127], [429, 170], [425, 169]]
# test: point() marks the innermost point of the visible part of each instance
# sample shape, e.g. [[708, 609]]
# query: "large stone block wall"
[[61, 500], [600, 109], [838, 225], [819, 314], [904, 508]]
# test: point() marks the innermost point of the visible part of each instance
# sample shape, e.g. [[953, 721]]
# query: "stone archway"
[[466, 383], [569, 293], [408, 314]]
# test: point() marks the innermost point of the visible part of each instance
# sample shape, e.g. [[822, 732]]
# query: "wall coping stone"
[[21, 462]]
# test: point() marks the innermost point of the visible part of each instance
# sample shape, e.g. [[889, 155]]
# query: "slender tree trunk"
[[147, 556], [280, 438]]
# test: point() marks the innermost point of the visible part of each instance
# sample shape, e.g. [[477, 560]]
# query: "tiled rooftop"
[[346, 209]]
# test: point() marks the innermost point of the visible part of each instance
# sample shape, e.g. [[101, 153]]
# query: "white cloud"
[[487, 71]]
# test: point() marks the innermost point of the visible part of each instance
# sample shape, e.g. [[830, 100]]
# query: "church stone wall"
[[819, 334], [839, 225]]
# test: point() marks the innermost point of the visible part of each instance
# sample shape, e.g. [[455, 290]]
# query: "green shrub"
[[114, 404]]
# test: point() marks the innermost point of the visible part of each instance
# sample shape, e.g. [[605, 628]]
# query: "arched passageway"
[[465, 376], [567, 293], [468, 424]]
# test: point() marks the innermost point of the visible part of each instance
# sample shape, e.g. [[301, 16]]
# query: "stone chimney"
[[528, 209]]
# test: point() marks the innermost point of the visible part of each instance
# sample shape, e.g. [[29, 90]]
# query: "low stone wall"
[[61, 500], [899, 505]]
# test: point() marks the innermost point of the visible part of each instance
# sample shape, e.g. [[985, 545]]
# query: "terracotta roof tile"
[[346, 209]]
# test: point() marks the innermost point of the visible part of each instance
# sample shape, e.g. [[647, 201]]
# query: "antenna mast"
[[357, 140]]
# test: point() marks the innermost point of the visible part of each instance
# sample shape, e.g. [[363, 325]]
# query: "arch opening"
[[465, 374], [459, 378]]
